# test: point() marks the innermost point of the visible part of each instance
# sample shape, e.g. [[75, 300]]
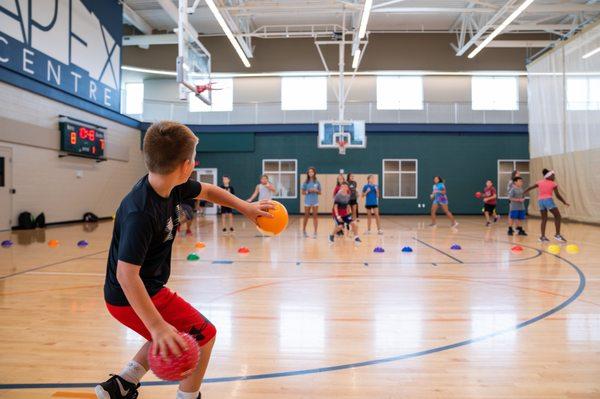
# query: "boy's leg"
[[486, 214], [194, 381]]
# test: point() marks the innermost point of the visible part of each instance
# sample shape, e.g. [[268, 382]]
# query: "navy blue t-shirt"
[[143, 234]]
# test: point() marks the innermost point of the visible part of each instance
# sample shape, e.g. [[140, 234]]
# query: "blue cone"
[[455, 247], [407, 249], [7, 244], [379, 249], [82, 243]]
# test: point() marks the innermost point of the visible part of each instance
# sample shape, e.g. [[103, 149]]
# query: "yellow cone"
[[554, 249], [572, 249]]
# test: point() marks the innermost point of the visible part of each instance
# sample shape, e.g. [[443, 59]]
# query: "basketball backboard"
[[352, 133]]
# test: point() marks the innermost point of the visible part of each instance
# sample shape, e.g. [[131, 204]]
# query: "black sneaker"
[[117, 387], [231, 229], [510, 231], [522, 232], [487, 224], [224, 230], [560, 238], [543, 239], [331, 238]]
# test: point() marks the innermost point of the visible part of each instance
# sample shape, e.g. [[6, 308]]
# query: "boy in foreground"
[[139, 260]]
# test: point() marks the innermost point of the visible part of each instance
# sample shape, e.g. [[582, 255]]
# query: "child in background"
[[352, 184], [187, 216], [226, 212], [338, 183], [515, 173], [311, 189], [546, 187], [264, 190], [489, 202], [517, 213], [341, 213], [371, 192], [438, 195]]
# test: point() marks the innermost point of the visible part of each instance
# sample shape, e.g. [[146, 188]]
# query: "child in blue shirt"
[[370, 191], [311, 189]]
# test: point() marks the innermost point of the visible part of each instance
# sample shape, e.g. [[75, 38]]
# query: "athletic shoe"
[[455, 225], [305, 234], [357, 240], [380, 232], [543, 239], [231, 229], [340, 233], [495, 219], [367, 232], [510, 231], [331, 238], [432, 225], [224, 230], [315, 235], [560, 238], [117, 387], [522, 232], [487, 224]]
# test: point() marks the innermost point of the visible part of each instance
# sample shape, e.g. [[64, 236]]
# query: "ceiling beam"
[[518, 43], [542, 8], [149, 40], [133, 18]]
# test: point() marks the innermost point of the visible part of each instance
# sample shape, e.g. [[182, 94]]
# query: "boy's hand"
[[256, 209], [167, 340]]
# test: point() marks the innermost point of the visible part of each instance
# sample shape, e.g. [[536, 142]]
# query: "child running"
[[517, 213], [342, 215], [226, 212], [139, 259], [438, 195], [338, 184], [264, 190], [546, 187], [489, 202], [371, 192], [311, 189]]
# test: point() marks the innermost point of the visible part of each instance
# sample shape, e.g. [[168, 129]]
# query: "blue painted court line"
[[439, 250], [559, 307], [222, 262]]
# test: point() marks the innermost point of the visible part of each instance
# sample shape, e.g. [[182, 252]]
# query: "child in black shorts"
[[226, 212]]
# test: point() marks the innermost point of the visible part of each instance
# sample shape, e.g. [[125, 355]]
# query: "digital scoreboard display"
[[81, 140]]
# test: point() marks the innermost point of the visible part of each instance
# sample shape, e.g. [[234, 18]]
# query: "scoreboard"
[[81, 139]]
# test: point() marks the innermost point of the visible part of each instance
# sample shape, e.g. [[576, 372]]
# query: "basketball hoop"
[[342, 147]]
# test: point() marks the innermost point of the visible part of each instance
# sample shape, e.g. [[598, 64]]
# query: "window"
[[134, 98], [505, 169], [399, 92], [283, 174], [583, 94], [222, 97], [495, 93], [400, 178], [303, 93]]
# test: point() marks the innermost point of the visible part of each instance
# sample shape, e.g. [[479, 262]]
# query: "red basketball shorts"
[[176, 311]]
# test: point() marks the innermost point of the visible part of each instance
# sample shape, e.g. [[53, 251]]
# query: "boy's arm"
[[215, 194], [560, 197], [164, 335], [335, 211]]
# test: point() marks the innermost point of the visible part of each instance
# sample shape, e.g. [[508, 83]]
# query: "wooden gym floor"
[[298, 318]]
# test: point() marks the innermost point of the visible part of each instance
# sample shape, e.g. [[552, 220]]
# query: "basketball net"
[[342, 147]]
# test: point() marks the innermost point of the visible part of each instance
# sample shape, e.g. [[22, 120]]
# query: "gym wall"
[[46, 183], [465, 155], [564, 95]]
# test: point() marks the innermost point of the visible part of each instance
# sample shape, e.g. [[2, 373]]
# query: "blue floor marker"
[[222, 262]]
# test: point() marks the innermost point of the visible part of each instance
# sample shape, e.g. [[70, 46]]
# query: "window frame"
[[279, 173], [127, 98], [494, 77], [325, 88], [586, 105], [416, 173], [514, 163], [400, 107]]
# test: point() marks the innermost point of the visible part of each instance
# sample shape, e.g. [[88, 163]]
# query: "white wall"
[[257, 100], [46, 183]]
